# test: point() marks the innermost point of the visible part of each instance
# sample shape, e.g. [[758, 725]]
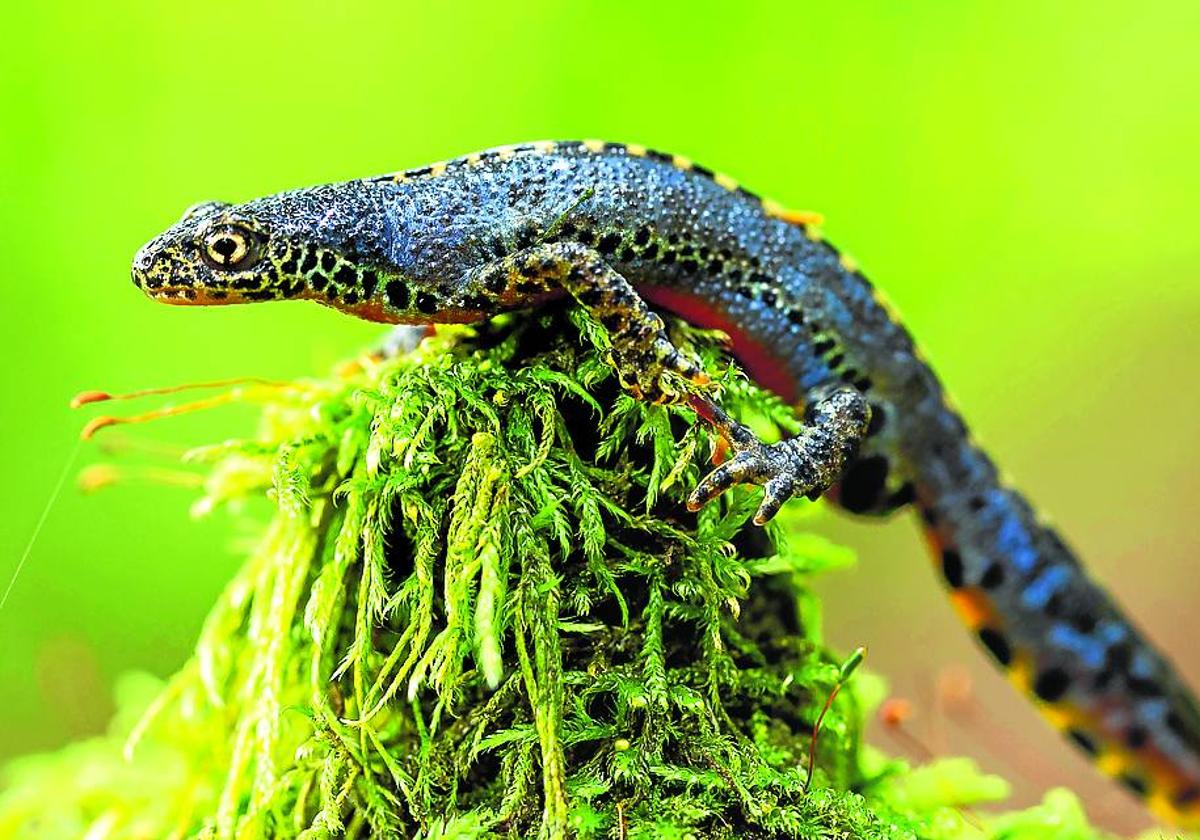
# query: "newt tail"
[[620, 228]]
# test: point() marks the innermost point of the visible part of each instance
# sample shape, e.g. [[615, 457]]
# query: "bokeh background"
[[1020, 177]]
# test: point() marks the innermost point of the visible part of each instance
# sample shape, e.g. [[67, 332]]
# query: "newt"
[[623, 230]]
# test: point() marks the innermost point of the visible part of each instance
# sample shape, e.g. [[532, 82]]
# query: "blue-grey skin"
[[615, 225]]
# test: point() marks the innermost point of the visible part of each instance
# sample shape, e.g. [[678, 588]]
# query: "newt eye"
[[229, 247]]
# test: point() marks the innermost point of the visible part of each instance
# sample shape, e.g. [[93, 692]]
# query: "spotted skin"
[[622, 228]]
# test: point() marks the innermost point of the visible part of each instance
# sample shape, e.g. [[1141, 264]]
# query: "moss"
[[481, 609]]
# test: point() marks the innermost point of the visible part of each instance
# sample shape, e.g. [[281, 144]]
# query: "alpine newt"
[[621, 229]]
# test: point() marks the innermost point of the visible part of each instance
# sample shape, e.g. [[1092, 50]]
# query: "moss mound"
[[480, 609]]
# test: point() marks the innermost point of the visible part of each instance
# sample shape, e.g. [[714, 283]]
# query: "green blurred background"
[[1021, 178]]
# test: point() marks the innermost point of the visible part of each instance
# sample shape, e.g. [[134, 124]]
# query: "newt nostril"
[[143, 259]]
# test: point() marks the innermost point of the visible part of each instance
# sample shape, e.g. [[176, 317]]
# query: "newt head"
[[213, 254]]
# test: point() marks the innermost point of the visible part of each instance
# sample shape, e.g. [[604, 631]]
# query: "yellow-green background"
[[1021, 178]]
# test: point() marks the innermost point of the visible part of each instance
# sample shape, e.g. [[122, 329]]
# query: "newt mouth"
[[191, 296], [178, 295]]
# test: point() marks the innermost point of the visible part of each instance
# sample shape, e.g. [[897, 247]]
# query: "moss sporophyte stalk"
[[482, 609]]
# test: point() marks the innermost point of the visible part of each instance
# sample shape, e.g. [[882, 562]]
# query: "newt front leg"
[[646, 360], [807, 464]]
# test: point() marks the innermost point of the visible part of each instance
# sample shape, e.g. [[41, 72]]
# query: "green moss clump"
[[480, 609]]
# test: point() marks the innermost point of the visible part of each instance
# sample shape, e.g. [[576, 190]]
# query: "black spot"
[[525, 237], [1135, 783], [993, 577], [1116, 660], [835, 360], [397, 294], [1181, 731], [952, 568], [796, 316], [612, 321], [309, 262], [288, 266], [417, 173], [370, 279], [748, 194], [586, 237], [265, 294], [689, 266], [668, 258], [929, 515], [1084, 622], [864, 383], [426, 303], [1084, 741], [661, 157], [217, 294], [702, 170], [350, 298], [614, 147], [495, 282], [641, 236], [769, 297], [1136, 737], [651, 251], [328, 260], [734, 274], [608, 243], [996, 644], [823, 346], [345, 276], [317, 282], [745, 291], [1119, 656], [591, 296], [1052, 684], [687, 252], [760, 278], [530, 286], [1054, 606], [976, 504], [863, 483], [626, 254], [524, 147], [1187, 796], [1142, 687]]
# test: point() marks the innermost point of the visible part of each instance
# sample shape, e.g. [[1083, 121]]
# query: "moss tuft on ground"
[[480, 609]]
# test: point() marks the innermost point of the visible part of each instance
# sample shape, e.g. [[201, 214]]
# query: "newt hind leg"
[[647, 361]]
